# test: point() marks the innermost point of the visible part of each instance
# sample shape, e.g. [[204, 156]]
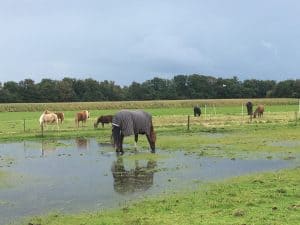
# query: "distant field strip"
[[68, 106]]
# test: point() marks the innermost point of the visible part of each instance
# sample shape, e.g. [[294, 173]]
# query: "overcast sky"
[[127, 41]]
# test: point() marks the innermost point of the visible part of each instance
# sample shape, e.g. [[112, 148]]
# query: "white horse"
[[48, 118]]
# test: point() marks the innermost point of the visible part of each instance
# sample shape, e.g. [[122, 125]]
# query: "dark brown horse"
[[81, 117], [103, 119], [259, 111], [60, 116], [197, 111]]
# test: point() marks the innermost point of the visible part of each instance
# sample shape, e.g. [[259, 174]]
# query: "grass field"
[[20, 125], [268, 198], [224, 130]]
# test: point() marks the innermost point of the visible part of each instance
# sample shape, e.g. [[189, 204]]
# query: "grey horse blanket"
[[133, 122]]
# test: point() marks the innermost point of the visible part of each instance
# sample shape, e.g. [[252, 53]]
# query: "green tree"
[[48, 90]]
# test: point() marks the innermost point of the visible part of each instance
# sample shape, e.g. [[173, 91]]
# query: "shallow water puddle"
[[80, 175]]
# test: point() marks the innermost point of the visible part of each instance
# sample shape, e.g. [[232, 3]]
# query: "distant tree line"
[[179, 87]]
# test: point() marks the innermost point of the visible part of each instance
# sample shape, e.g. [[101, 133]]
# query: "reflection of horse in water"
[[82, 143], [49, 147], [129, 181]]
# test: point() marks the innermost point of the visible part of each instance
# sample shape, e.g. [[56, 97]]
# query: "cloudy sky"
[[127, 41]]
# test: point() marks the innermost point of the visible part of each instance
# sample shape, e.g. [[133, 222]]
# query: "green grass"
[[25, 125], [268, 198]]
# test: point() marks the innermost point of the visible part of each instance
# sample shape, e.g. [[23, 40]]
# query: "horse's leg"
[[102, 125], [121, 144], [136, 137], [149, 141]]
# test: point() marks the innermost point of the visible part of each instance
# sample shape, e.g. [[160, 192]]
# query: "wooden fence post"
[[243, 111], [188, 124]]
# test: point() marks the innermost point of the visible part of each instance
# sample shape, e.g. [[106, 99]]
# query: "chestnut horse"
[[60, 116], [48, 118], [259, 111], [81, 116], [103, 120]]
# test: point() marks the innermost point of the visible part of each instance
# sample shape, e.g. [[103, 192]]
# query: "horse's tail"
[[62, 117], [152, 132]]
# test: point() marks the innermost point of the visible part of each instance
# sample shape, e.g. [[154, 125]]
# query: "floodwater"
[[78, 175]]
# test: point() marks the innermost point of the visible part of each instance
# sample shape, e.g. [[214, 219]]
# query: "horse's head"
[[254, 114], [116, 138]]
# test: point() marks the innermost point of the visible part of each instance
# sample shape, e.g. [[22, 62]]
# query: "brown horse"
[[48, 118], [103, 120], [259, 111], [60, 116], [81, 116]]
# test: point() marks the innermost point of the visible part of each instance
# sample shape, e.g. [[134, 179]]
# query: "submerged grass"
[[268, 198]]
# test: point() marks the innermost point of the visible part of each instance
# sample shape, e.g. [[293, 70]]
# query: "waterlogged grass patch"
[[7, 179], [239, 141], [268, 198], [6, 161]]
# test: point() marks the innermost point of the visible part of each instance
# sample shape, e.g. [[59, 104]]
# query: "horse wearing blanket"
[[126, 123]]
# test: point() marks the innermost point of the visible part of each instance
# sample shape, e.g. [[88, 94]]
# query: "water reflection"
[[82, 143], [48, 147], [140, 178]]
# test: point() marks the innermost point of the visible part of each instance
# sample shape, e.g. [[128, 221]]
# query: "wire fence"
[[211, 116]]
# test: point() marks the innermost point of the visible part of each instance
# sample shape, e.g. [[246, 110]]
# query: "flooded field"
[[84, 175]]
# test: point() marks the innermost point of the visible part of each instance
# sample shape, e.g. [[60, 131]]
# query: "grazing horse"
[[197, 111], [259, 111], [48, 118], [249, 106], [60, 116], [126, 123], [103, 120], [82, 116]]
